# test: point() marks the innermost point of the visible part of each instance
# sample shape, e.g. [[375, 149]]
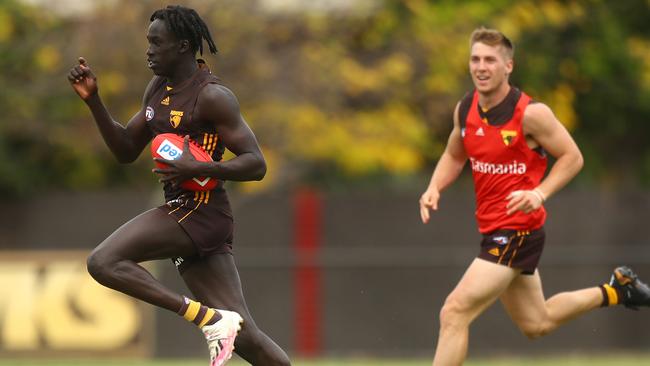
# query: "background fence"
[[374, 269]]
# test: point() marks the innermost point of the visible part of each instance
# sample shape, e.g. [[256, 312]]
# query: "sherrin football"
[[169, 146]]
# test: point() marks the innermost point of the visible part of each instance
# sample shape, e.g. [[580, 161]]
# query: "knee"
[[454, 313], [535, 331], [99, 266]]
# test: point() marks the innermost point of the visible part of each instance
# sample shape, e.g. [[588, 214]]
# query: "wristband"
[[538, 192]]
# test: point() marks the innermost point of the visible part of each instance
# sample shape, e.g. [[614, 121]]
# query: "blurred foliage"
[[341, 96]]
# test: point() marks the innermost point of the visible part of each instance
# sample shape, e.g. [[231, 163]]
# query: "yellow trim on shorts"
[[187, 214], [521, 241], [174, 210]]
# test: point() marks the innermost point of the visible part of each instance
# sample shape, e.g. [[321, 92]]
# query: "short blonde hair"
[[493, 38]]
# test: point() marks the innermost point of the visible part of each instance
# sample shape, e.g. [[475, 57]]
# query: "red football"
[[169, 146]]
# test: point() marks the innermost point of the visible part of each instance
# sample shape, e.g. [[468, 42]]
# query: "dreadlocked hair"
[[186, 23]]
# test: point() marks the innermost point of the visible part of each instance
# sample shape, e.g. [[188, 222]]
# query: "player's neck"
[[182, 72], [494, 97]]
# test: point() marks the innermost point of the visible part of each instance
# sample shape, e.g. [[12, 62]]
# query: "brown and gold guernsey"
[[171, 110]]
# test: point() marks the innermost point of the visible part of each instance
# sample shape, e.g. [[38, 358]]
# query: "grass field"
[[623, 360]]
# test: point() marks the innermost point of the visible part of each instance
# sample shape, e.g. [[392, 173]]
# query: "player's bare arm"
[[218, 104], [447, 170], [542, 128], [126, 143]]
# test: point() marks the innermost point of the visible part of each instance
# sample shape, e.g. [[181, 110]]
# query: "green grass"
[[602, 360]]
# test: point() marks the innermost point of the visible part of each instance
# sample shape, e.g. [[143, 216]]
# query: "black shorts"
[[519, 249], [207, 219]]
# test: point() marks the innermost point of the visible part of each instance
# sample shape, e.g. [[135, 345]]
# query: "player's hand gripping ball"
[[169, 146]]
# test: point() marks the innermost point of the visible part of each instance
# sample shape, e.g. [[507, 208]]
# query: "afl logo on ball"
[[148, 114]]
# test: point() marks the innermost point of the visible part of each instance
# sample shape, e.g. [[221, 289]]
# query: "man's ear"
[[510, 65], [184, 46]]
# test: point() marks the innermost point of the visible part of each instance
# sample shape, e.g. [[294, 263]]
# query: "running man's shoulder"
[[217, 92], [539, 118], [217, 100], [538, 113]]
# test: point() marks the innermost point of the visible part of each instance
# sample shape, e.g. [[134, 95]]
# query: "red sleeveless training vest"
[[501, 163]]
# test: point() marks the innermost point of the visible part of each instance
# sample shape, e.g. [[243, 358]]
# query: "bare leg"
[[480, 286], [524, 301], [215, 282], [151, 235]]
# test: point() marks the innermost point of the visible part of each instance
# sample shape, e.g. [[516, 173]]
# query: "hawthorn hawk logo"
[[508, 136], [175, 118]]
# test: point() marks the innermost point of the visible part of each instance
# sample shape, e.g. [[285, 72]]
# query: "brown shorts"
[[207, 219], [519, 249]]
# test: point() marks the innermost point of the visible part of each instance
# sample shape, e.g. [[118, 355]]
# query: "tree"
[[364, 94]]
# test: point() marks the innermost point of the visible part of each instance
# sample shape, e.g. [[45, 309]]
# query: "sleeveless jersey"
[[171, 110], [501, 163]]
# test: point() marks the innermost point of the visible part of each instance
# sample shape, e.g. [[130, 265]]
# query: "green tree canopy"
[[332, 95]]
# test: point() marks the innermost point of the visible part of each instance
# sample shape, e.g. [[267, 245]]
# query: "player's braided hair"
[[185, 23]]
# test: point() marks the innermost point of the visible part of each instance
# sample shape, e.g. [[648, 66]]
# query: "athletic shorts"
[[519, 249], [207, 219]]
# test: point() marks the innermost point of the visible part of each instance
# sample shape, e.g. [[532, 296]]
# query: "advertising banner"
[[49, 305]]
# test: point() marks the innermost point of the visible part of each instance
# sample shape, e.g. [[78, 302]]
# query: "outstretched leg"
[[151, 235], [524, 301], [480, 286], [215, 282]]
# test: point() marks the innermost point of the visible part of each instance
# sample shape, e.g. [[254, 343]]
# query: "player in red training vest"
[[506, 136], [193, 228]]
